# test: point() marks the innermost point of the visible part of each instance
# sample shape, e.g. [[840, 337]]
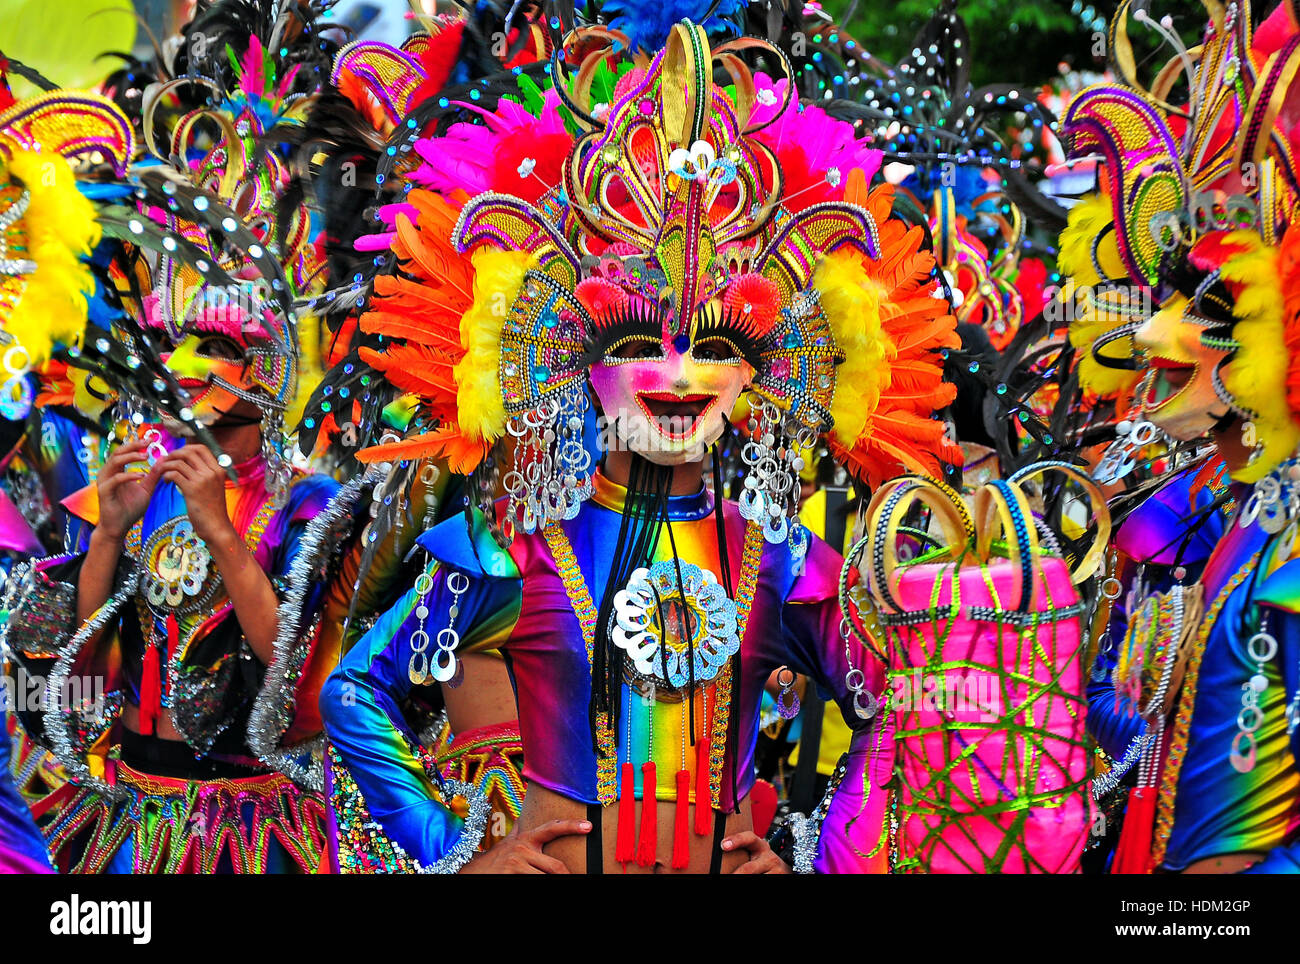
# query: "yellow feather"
[[851, 302], [60, 227], [310, 366], [498, 276], [1256, 376], [1087, 220]]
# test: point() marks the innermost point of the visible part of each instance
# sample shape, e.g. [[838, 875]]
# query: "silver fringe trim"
[[807, 831], [15, 587], [188, 691], [471, 835], [62, 742], [273, 708], [1134, 752], [1109, 780], [429, 735], [807, 834]]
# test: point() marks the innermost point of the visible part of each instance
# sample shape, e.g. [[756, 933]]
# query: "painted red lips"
[[675, 415], [1171, 377]]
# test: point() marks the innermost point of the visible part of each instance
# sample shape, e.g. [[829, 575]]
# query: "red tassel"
[[645, 851], [173, 644], [1133, 852], [624, 849], [703, 801], [681, 842], [150, 703]]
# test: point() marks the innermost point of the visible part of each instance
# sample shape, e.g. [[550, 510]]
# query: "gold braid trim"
[[583, 607], [751, 556]]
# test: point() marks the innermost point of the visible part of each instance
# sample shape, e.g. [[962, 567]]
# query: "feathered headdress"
[[966, 174], [356, 176], [47, 227], [1167, 169], [197, 242], [257, 64], [1196, 193], [673, 193]]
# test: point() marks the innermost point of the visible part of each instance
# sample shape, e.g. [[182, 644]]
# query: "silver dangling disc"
[[1287, 542]]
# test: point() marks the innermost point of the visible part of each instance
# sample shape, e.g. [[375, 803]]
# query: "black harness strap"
[[719, 834], [595, 841]]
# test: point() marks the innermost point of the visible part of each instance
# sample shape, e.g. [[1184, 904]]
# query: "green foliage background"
[[1015, 41]]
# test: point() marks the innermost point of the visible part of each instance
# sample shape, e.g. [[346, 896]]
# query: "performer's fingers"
[[198, 456], [745, 840], [557, 828], [188, 455], [176, 463], [147, 479], [124, 455], [135, 445], [203, 455], [760, 865], [111, 482], [176, 474], [177, 478], [547, 864]]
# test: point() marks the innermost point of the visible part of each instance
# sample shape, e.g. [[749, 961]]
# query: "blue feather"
[[647, 25]]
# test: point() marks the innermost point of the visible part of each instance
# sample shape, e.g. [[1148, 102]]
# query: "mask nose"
[[681, 370], [1148, 334]]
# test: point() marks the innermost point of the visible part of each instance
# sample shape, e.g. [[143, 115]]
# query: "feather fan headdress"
[[671, 192], [1197, 185]]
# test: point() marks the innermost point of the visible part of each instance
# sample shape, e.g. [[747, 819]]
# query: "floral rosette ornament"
[[666, 250], [652, 628]]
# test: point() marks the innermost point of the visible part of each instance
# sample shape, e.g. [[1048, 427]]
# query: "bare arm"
[[95, 583]]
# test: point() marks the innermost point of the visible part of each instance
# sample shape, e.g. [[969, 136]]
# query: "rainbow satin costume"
[[208, 804], [66, 458], [517, 601], [1207, 806], [490, 758]]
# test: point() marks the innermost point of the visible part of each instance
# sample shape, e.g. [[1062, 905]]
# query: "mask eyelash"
[[1205, 290], [634, 320], [235, 351], [711, 322]]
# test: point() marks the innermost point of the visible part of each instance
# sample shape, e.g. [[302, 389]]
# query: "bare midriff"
[[1224, 863], [542, 805]]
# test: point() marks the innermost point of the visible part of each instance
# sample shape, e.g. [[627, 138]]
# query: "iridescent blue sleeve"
[[361, 706], [1113, 721], [22, 848]]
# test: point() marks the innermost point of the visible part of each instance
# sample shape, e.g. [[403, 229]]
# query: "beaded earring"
[[789, 710], [550, 476]]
